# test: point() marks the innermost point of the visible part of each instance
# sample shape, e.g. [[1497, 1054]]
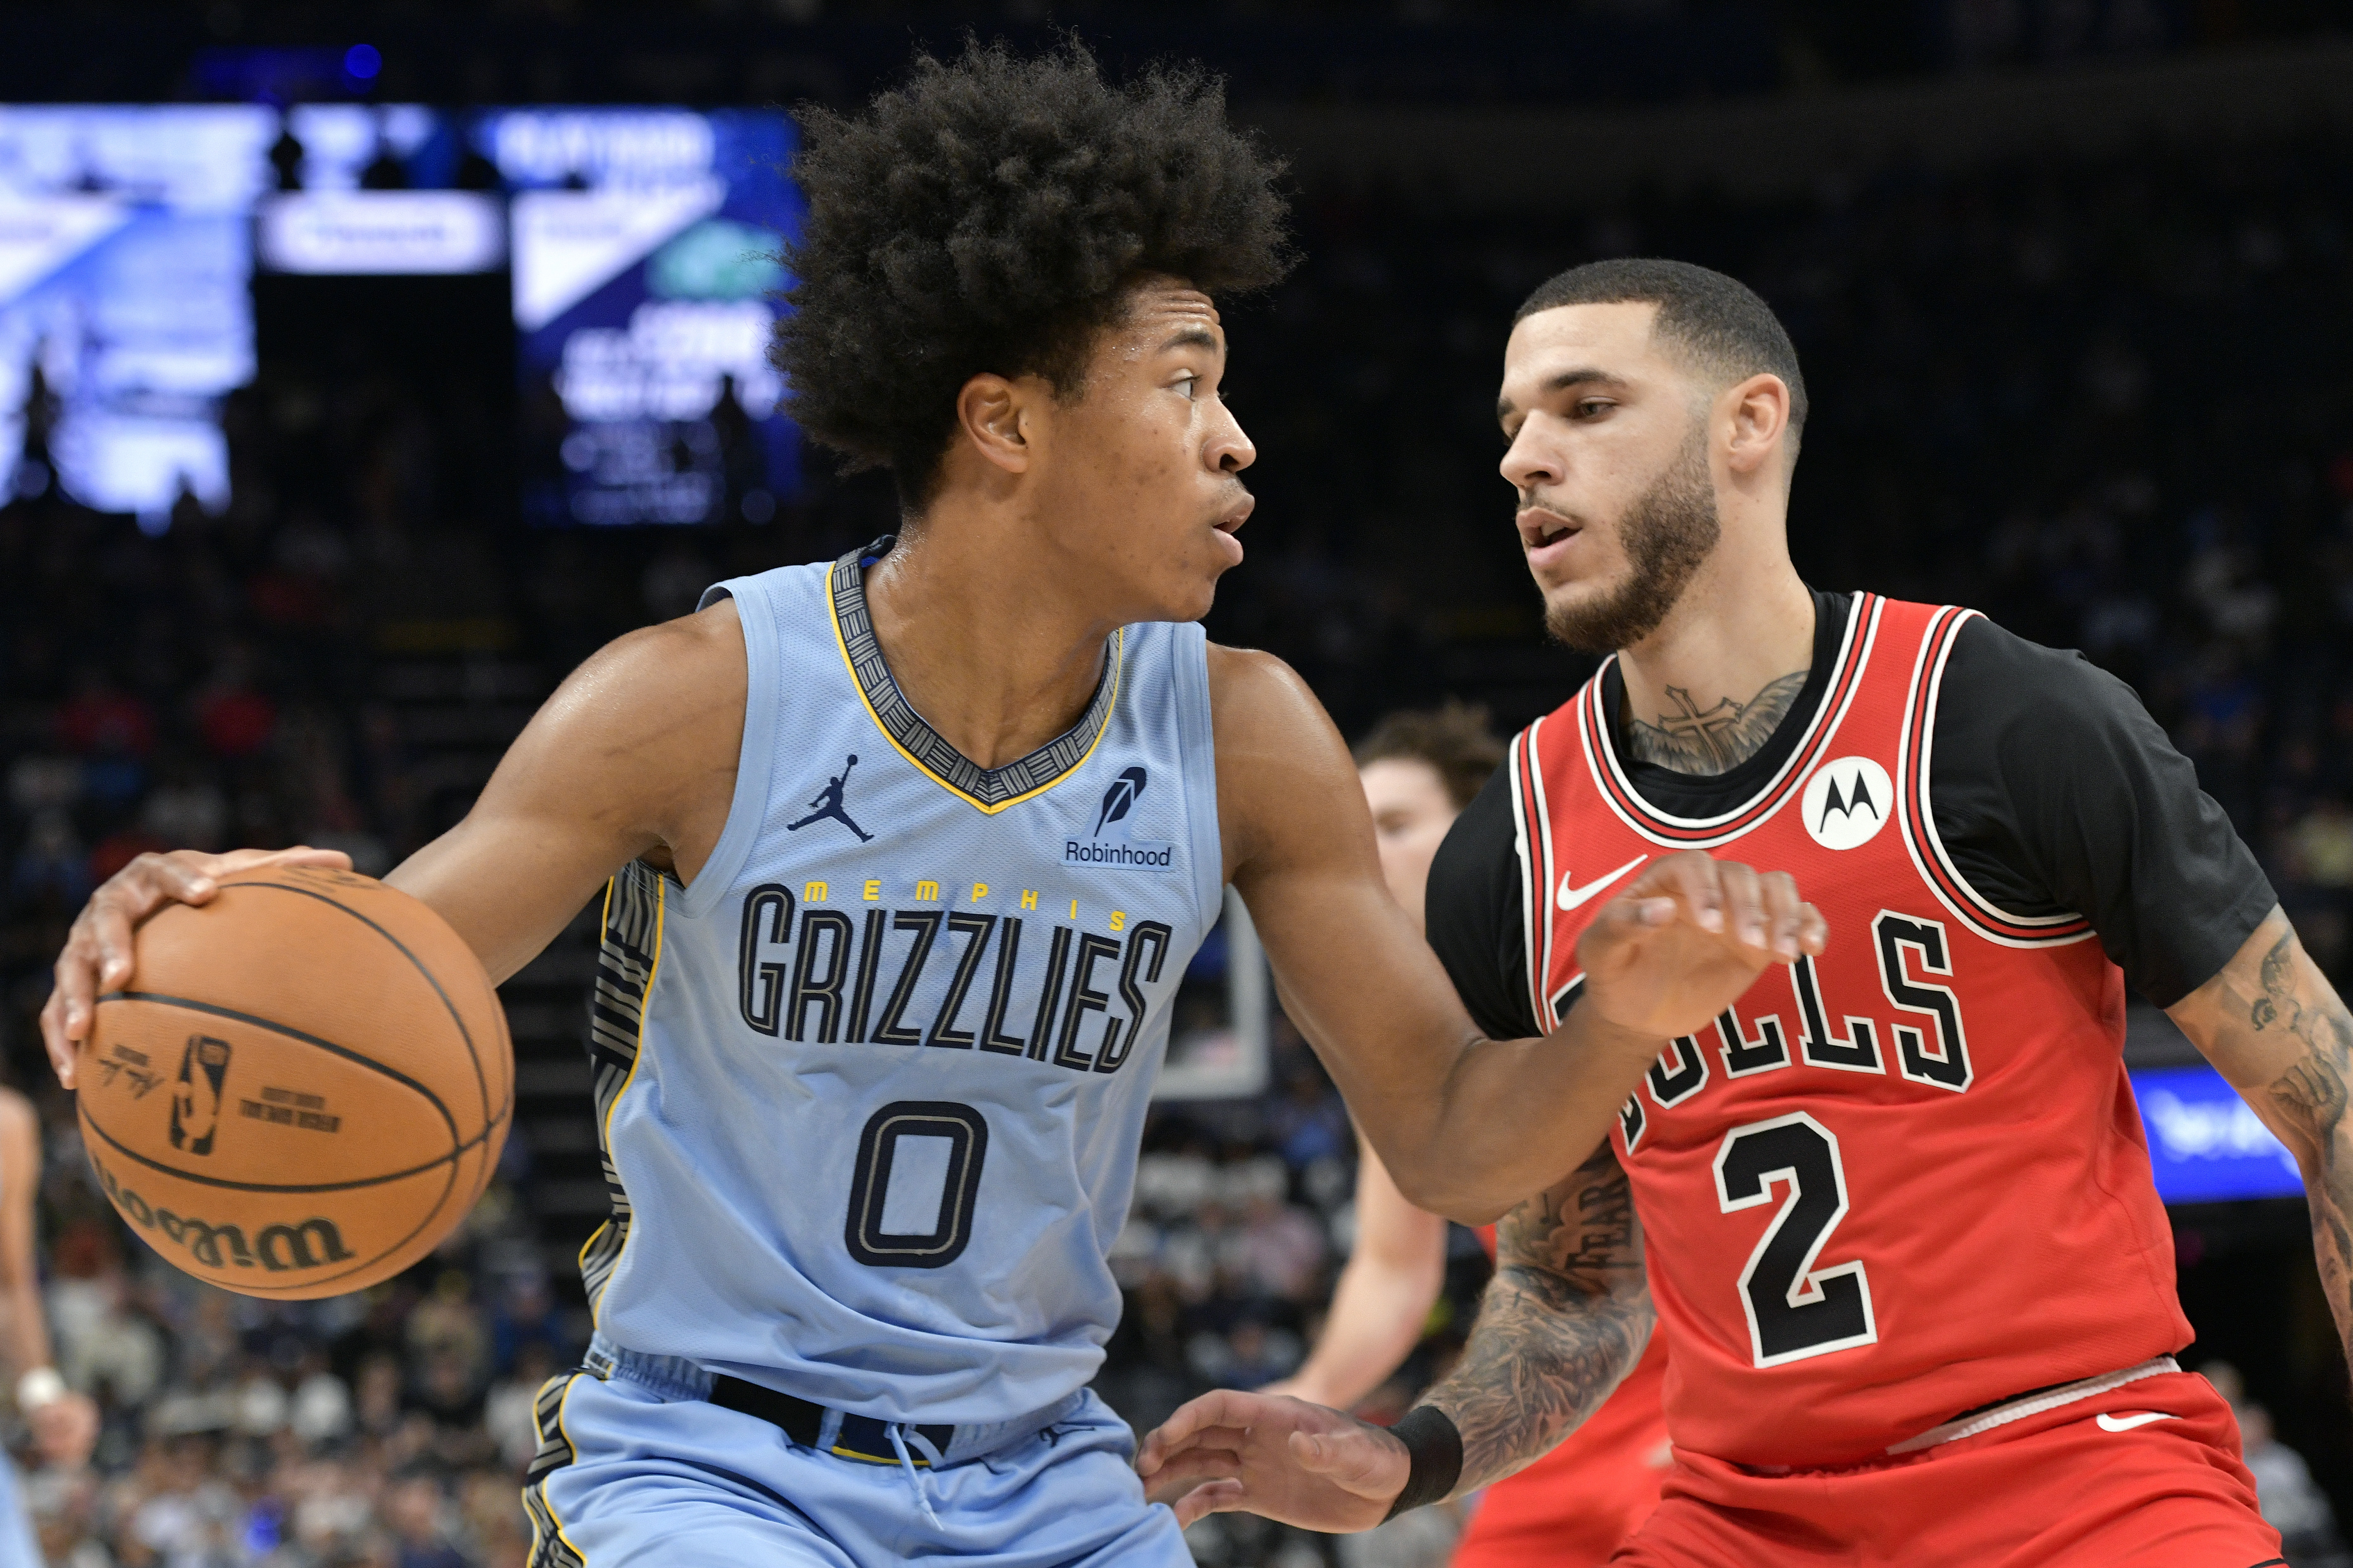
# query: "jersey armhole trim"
[[629, 932], [756, 758], [1532, 843], [1198, 733], [1917, 813]]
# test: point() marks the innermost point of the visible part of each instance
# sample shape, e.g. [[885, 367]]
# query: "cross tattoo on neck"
[[1713, 740], [1691, 724]]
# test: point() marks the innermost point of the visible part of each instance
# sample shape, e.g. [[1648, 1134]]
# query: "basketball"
[[303, 1088]]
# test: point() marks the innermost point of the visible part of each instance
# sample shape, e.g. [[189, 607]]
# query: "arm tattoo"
[[1564, 1320], [1721, 737], [2311, 1097]]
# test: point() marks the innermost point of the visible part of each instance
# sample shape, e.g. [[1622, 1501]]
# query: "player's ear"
[[1760, 421], [996, 415]]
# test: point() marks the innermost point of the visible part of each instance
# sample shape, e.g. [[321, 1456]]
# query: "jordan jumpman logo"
[[828, 805]]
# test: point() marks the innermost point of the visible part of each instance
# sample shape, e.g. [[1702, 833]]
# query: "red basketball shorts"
[[1567, 1512], [2142, 1475]]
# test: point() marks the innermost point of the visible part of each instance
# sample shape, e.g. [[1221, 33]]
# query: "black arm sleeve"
[[1473, 912], [2054, 791]]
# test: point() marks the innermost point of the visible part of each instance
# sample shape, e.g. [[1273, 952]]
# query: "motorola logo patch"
[[1846, 802]]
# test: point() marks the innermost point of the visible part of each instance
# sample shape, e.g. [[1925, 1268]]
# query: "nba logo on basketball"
[[195, 1104]]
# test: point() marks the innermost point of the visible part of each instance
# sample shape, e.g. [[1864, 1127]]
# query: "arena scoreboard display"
[[646, 260], [644, 247], [125, 311]]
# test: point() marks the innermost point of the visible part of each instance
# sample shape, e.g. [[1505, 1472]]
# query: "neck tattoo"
[[1715, 740]]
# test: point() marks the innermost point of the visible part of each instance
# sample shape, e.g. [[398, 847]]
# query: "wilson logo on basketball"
[[312, 1242]]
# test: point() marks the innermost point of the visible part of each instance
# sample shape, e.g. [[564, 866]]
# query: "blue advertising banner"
[[2205, 1143], [645, 253], [125, 318]]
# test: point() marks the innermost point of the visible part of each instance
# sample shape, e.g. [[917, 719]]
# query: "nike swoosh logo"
[[1570, 898], [2126, 1423]]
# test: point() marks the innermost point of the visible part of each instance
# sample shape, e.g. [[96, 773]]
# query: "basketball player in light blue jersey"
[[64, 1423], [904, 856]]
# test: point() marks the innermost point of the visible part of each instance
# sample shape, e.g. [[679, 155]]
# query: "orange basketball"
[[303, 1088]]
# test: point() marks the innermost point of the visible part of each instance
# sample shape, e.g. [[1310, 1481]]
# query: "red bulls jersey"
[[1894, 1184]]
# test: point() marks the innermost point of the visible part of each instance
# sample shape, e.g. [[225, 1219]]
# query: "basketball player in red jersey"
[[1571, 1507], [1895, 1206]]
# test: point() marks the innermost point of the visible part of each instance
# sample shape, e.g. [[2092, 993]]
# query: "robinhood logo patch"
[[1129, 853]]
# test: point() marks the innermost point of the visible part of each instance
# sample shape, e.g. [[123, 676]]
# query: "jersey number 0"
[[910, 1199]]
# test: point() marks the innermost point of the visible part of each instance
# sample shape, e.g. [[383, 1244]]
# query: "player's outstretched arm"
[[1467, 1126], [1564, 1320], [634, 754], [2272, 1025]]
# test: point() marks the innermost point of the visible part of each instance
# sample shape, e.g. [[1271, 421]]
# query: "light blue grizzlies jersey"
[[871, 1088]]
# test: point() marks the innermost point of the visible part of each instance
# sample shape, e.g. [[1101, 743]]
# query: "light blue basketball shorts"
[[17, 1547], [636, 1470]]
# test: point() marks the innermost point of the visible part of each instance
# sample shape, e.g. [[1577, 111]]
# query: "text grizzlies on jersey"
[[835, 984], [1138, 854]]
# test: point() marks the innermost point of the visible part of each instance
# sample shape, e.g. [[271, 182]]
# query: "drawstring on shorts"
[[899, 1433]]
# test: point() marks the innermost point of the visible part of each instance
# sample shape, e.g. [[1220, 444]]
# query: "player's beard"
[[1667, 532]]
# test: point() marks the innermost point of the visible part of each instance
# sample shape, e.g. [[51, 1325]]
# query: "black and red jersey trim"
[[1532, 825], [1918, 818], [1598, 736]]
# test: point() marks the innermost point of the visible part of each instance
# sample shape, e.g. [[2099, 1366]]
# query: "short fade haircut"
[[1719, 323], [985, 216], [1453, 739]]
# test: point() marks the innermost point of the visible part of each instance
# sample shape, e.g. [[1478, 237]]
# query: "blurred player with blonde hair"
[[64, 1423]]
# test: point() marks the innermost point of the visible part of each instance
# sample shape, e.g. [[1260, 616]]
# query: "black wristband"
[[1435, 1450]]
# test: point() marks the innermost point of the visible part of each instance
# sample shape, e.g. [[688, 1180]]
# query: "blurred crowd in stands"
[[2105, 403]]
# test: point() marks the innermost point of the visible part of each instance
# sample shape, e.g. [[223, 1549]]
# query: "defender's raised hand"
[[1687, 938], [97, 954], [1274, 1455]]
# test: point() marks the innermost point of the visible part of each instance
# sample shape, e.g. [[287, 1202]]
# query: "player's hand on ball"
[[1681, 941], [97, 955], [1271, 1455]]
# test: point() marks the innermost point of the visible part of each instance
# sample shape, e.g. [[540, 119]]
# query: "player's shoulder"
[[1248, 680], [644, 725], [1257, 701], [1994, 675], [648, 670]]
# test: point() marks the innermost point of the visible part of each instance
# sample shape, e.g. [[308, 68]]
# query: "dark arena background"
[[364, 368]]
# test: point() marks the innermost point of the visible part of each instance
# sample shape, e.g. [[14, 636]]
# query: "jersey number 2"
[[1795, 1310], [918, 1165]]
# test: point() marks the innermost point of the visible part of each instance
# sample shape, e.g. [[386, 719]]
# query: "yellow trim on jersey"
[[1118, 652], [644, 1004], [548, 1502], [839, 1452], [604, 924]]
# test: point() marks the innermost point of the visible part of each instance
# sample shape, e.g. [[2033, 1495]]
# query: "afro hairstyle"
[[984, 217]]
